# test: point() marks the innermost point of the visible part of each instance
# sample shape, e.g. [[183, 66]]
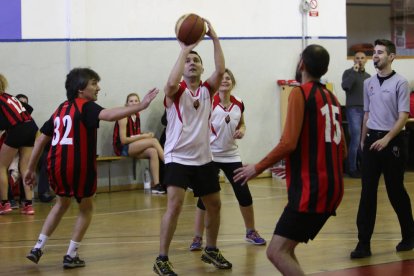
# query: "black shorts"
[[21, 135], [202, 179], [299, 226]]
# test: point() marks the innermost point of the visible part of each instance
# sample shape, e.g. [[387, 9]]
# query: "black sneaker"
[[213, 256], [163, 267], [35, 255], [158, 189], [405, 245], [69, 262], [361, 251]]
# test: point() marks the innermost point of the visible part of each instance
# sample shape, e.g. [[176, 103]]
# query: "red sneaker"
[[5, 208], [27, 210]]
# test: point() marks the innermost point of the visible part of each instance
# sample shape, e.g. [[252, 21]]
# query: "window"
[[368, 20]]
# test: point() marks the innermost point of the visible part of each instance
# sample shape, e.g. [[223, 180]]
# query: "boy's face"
[[91, 91], [381, 58], [193, 66]]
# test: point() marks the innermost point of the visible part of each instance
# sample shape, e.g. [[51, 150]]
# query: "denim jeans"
[[354, 116]]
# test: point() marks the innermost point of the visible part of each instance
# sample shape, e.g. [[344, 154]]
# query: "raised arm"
[[215, 79], [117, 113], [171, 87]]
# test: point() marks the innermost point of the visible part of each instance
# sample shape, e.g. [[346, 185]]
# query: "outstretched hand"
[[245, 173], [151, 94]]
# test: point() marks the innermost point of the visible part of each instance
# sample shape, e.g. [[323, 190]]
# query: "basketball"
[[190, 28]]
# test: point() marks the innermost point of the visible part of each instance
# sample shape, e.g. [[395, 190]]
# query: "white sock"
[[41, 242], [73, 249]]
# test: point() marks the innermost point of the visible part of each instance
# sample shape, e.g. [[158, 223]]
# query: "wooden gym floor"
[[123, 237]]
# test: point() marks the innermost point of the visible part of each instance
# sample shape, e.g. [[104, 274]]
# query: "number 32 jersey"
[[71, 160]]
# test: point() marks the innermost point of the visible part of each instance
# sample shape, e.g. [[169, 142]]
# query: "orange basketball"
[[190, 28]]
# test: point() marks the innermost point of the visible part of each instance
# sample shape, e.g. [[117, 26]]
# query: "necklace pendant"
[[196, 104], [227, 120]]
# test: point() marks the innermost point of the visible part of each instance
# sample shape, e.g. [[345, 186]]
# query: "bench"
[[110, 159]]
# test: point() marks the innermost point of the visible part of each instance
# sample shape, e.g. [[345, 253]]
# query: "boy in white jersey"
[[188, 158]]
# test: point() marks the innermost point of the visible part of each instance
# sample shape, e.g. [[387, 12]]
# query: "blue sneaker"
[[197, 244], [254, 237]]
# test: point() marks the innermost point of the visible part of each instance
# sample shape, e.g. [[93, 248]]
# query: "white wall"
[[136, 51]]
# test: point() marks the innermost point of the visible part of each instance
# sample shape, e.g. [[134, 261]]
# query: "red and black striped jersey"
[[314, 168], [71, 159], [132, 128], [12, 112]]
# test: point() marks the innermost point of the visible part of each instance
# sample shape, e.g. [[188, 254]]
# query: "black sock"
[[163, 258]]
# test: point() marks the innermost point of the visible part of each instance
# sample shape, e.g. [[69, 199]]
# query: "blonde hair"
[[3, 84], [131, 95]]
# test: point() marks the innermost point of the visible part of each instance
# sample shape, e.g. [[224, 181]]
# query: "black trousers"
[[391, 163]]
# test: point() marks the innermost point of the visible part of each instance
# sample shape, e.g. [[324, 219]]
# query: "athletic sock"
[[41, 242], [73, 249]]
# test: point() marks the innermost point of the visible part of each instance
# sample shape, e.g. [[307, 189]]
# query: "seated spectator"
[[128, 140]]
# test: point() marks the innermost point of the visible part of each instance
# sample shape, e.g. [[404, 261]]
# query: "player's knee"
[[274, 256], [212, 205], [174, 207]]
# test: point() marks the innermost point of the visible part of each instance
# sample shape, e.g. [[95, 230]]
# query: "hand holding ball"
[[190, 28]]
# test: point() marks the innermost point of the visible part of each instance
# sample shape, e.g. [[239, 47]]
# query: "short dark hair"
[[389, 45], [78, 79], [18, 96], [195, 53], [316, 60]]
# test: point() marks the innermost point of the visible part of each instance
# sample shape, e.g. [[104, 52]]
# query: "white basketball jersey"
[[224, 122], [188, 129]]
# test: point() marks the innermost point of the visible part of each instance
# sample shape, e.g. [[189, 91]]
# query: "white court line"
[[157, 209]]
